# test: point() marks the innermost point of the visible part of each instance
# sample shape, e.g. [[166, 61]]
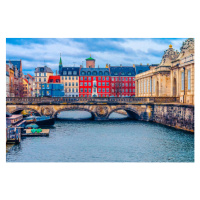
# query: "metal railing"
[[88, 100]]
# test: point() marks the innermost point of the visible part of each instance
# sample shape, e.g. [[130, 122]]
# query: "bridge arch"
[[132, 113], [75, 109], [19, 110]]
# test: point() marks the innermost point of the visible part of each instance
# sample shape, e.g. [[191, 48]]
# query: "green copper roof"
[[90, 58], [60, 62]]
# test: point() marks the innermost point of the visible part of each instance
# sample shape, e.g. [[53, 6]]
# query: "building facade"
[[41, 76], [122, 82], [173, 77], [94, 82], [7, 81]]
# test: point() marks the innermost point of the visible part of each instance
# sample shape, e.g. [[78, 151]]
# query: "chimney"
[[148, 64], [56, 72], [140, 63], [133, 65]]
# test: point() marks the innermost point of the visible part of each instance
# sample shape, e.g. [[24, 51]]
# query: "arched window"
[[100, 73], [82, 73], [106, 73], [89, 73], [94, 73]]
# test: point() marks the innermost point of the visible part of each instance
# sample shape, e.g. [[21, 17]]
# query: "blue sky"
[[34, 52]]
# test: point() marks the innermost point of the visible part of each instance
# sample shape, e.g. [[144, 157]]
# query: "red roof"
[[26, 81], [54, 79], [30, 76]]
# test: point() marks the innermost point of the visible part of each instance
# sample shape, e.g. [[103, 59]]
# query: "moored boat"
[[40, 120]]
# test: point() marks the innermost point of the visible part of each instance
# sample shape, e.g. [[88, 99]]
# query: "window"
[[107, 78], [150, 86], [94, 73], [89, 73], [75, 73], [76, 77], [39, 79], [44, 79], [147, 86], [115, 79], [64, 72], [76, 83], [107, 89], [126, 90], [85, 89], [103, 84], [69, 89], [133, 90], [94, 89], [129, 79], [72, 77], [65, 77], [62, 77], [107, 83], [103, 78], [126, 84], [112, 90], [76, 89], [89, 84], [69, 72], [85, 78], [154, 85], [81, 95], [139, 87], [69, 83], [189, 80], [72, 83], [99, 83], [81, 83], [122, 84], [122, 79], [89, 90], [81, 78], [112, 79], [103, 90], [82, 73], [106, 73], [85, 84], [81, 89], [122, 90], [72, 89], [112, 84], [94, 78], [89, 78], [99, 89], [182, 80], [129, 84], [133, 84], [129, 90], [65, 84], [99, 78], [69, 77], [100, 73], [103, 95]]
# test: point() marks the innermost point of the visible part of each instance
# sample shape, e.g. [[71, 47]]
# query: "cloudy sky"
[[37, 52]]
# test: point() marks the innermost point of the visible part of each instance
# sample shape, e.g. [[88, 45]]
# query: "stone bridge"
[[139, 108]]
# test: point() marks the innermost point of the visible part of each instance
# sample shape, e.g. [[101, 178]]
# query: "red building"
[[94, 82], [54, 79], [122, 81]]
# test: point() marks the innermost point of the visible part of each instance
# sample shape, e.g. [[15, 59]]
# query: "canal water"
[[75, 138]]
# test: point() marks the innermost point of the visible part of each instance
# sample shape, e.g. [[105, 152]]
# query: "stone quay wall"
[[179, 116]]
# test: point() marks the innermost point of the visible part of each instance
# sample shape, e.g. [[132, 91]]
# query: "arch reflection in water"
[[74, 115]]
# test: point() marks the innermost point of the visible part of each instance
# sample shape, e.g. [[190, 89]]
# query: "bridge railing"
[[91, 100]]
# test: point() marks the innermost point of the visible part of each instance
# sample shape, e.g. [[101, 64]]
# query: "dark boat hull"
[[45, 122]]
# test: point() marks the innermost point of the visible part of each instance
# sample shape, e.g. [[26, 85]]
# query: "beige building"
[[173, 77], [70, 79], [41, 76]]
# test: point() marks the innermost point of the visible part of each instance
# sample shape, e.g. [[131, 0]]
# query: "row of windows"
[[71, 84], [70, 73], [94, 73], [71, 90], [146, 86], [40, 80], [89, 95], [90, 84], [69, 78], [122, 79], [40, 74], [94, 78], [99, 90], [122, 90], [122, 84]]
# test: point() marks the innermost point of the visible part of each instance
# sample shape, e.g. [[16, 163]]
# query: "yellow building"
[[182, 73], [70, 79], [173, 77]]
